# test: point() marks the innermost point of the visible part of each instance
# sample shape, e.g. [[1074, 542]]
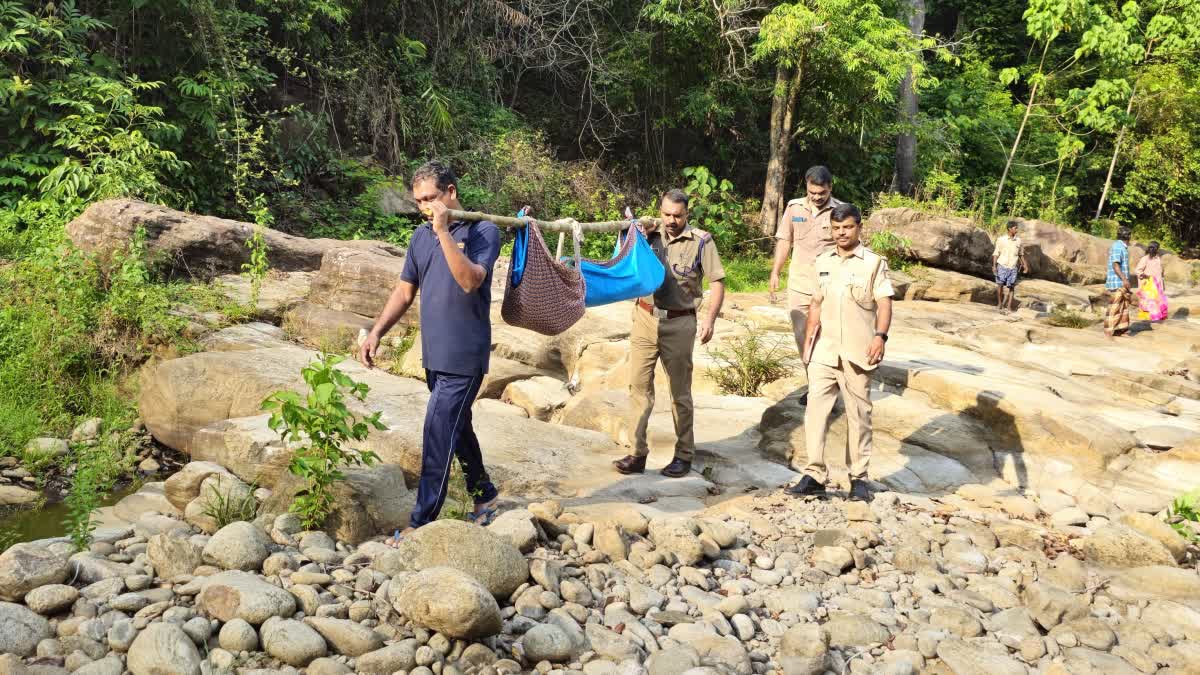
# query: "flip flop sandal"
[[484, 517]]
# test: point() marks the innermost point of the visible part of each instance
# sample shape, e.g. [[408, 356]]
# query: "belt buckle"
[[660, 313]]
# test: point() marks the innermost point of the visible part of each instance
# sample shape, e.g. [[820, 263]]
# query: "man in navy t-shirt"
[[451, 263]]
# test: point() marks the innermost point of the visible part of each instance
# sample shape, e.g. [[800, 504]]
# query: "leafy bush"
[[324, 423], [749, 362], [749, 274], [893, 247], [715, 208]]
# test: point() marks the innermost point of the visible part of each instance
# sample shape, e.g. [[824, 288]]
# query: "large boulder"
[[369, 500], [331, 329], [24, 567], [198, 246], [240, 595], [358, 281], [1121, 546], [489, 559], [946, 242], [184, 485], [448, 601], [21, 630], [237, 546]]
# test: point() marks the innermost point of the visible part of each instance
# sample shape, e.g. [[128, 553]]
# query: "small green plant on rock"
[[748, 363], [259, 264], [1184, 512], [324, 423], [227, 507], [460, 502]]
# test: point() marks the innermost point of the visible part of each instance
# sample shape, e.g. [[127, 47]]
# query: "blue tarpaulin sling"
[[634, 271]]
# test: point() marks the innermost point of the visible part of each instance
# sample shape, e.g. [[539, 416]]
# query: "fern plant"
[[323, 422], [748, 364]]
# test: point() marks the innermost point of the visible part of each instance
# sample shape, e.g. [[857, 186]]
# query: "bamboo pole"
[[560, 225]]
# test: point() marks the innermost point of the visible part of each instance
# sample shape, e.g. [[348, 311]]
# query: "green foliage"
[[97, 468], [72, 326], [225, 508], [748, 362], [893, 247], [460, 502], [716, 209], [259, 264], [749, 274], [1183, 514], [324, 424]]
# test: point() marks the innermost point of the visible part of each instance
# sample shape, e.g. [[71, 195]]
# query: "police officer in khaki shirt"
[[665, 328], [848, 327], [803, 233]]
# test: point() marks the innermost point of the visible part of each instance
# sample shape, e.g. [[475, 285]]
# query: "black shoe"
[[678, 468], [807, 487], [630, 464], [859, 491]]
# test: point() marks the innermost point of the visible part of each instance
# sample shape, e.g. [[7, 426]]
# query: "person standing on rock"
[[803, 233], [451, 264], [665, 328], [1007, 259], [848, 324], [1116, 322]]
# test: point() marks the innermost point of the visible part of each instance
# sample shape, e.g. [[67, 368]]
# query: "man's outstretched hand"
[[367, 350]]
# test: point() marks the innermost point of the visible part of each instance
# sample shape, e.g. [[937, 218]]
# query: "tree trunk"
[[783, 109], [904, 179], [1020, 132], [1112, 165]]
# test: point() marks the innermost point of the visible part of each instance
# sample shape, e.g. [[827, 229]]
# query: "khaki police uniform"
[[664, 327], [808, 230], [848, 289]]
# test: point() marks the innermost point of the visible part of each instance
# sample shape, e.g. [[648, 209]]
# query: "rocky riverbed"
[[979, 581]]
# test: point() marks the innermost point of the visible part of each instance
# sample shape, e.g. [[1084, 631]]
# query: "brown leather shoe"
[[678, 468], [630, 464]]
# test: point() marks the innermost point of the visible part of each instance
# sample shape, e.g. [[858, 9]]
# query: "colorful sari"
[[1152, 300]]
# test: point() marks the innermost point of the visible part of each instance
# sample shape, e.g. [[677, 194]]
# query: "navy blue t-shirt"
[[456, 326]]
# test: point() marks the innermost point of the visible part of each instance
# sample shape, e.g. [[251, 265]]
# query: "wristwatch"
[[881, 334]]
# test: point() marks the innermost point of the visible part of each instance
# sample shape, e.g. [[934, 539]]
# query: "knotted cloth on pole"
[[560, 225]]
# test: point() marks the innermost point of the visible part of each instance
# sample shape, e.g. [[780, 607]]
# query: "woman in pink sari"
[[1152, 295]]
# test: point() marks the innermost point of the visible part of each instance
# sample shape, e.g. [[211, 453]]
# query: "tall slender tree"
[[853, 44], [904, 179]]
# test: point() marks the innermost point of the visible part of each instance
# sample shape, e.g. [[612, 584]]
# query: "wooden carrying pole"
[[560, 225]]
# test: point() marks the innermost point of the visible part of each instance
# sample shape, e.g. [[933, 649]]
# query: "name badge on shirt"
[[824, 274], [799, 219], [462, 244]]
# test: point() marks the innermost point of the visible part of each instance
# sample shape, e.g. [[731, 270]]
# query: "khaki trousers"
[[824, 383], [798, 304], [672, 341]]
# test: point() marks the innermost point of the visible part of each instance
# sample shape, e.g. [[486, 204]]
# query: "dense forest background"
[[307, 115]]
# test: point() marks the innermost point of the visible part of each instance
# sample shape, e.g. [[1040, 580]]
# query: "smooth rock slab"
[[163, 649], [233, 594]]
